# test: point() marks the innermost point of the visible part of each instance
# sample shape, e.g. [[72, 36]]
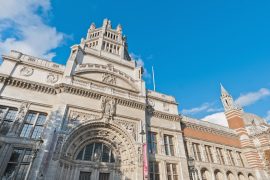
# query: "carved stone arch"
[[120, 140], [115, 72]]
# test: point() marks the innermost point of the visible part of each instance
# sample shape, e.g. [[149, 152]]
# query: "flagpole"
[[153, 74]]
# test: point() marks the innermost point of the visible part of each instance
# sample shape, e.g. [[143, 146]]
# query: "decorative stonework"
[[58, 146], [108, 107], [52, 78], [26, 71], [75, 118], [109, 78], [130, 127]]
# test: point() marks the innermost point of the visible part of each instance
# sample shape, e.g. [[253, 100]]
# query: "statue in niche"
[[108, 107]]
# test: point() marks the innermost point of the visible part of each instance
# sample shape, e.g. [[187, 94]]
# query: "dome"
[[249, 118]]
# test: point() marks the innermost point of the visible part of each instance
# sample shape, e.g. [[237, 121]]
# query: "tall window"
[[171, 171], [18, 164], [209, 154], [33, 125], [104, 176], [154, 171], [240, 159], [96, 152], [220, 156], [197, 151], [152, 142], [168, 143], [85, 175], [8, 114], [230, 157]]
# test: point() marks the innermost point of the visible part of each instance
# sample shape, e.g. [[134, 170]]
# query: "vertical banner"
[[145, 162]]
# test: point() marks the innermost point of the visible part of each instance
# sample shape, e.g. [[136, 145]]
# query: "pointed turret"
[[226, 99]]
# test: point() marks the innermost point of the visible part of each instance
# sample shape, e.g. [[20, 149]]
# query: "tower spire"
[[226, 99]]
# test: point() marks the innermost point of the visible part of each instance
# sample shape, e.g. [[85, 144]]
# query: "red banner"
[[145, 162]]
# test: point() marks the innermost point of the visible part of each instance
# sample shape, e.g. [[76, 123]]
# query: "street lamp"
[[191, 166]]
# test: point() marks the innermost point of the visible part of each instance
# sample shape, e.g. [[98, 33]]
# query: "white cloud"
[[140, 62], [217, 118], [267, 118], [252, 97], [205, 107], [25, 22]]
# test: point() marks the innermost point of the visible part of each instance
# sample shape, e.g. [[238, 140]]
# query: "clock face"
[[151, 102]]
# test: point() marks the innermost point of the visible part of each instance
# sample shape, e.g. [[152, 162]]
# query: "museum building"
[[94, 119]]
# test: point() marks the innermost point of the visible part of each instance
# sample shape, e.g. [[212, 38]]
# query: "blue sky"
[[193, 45]]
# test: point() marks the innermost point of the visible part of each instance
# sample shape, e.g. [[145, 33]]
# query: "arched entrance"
[[205, 174], [241, 176], [99, 151], [218, 175], [230, 176]]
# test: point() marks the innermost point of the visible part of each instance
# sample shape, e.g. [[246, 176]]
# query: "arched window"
[[96, 152]]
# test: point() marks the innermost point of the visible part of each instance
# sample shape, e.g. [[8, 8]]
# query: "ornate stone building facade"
[[93, 118]]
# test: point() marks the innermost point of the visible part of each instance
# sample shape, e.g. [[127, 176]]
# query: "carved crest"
[[26, 71], [52, 78], [108, 78]]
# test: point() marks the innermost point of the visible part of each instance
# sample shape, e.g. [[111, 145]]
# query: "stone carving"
[[108, 107], [26, 71], [129, 126], [108, 78], [52, 78], [58, 147], [20, 118], [76, 118]]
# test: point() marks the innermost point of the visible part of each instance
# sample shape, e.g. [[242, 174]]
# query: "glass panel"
[[85, 176], [79, 156], [157, 177], [15, 155], [37, 132], [41, 119], [104, 176], [10, 171], [22, 172], [112, 158], [5, 127], [27, 156], [105, 154], [26, 130], [88, 152], [11, 115], [30, 118]]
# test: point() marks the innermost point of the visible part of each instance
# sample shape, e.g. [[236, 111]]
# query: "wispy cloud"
[[267, 117], [24, 27], [217, 118], [205, 107], [140, 62], [252, 97]]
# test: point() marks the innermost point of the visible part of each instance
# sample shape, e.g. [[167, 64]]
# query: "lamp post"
[[36, 148], [191, 166]]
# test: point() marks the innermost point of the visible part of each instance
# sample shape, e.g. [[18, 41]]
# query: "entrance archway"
[[99, 150]]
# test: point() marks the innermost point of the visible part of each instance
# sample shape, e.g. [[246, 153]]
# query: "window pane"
[[105, 154], [22, 172], [88, 152], [11, 115], [41, 119], [104, 176], [79, 156], [30, 118], [112, 158], [26, 130], [5, 127], [10, 171], [27, 156], [37, 132], [85, 176], [15, 155]]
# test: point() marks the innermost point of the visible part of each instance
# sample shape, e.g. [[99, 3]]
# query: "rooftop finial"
[[92, 26], [105, 22], [119, 28]]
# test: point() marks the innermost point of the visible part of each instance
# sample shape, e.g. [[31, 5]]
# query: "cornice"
[[208, 129], [170, 117]]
